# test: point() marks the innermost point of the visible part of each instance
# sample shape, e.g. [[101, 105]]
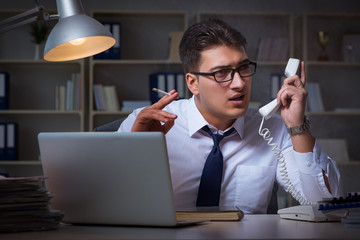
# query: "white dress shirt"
[[250, 167]]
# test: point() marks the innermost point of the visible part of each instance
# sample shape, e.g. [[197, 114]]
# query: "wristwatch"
[[300, 129]]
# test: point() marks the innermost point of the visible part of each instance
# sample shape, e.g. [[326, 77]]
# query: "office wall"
[[192, 6]]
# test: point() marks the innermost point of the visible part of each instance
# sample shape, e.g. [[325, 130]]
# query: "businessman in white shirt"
[[219, 75]]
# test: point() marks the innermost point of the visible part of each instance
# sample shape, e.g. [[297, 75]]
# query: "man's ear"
[[192, 83]]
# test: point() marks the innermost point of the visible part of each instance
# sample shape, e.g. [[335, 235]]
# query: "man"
[[219, 75]]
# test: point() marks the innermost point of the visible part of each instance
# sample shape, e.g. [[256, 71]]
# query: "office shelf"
[[338, 77], [144, 47], [32, 84]]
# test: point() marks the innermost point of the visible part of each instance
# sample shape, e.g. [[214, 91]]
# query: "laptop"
[[109, 178]]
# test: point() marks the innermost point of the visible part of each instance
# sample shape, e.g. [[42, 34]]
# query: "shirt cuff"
[[312, 162]]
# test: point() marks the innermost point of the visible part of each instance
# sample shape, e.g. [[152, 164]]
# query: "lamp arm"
[[52, 17], [30, 12], [18, 24], [15, 21]]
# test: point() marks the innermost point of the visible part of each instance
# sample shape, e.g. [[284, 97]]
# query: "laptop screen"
[[109, 178]]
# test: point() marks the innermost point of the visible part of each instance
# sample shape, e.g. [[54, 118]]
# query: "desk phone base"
[[325, 211]]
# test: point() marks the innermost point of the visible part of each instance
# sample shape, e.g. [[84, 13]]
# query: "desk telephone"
[[307, 211], [328, 210]]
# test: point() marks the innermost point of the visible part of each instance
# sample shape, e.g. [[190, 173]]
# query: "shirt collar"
[[196, 121]]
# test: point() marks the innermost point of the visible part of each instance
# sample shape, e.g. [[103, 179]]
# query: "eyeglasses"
[[225, 75]]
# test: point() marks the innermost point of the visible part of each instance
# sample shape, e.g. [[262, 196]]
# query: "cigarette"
[[161, 91]]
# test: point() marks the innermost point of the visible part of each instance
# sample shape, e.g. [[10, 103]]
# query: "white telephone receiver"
[[269, 109]]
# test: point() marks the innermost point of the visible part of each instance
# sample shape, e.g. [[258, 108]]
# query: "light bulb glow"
[[77, 41]]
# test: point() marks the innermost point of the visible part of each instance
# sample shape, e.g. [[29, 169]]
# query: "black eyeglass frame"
[[232, 73]]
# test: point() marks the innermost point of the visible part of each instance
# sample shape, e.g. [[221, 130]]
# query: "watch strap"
[[301, 128]]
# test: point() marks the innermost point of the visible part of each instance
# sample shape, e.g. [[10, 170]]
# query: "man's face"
[[221, 103]]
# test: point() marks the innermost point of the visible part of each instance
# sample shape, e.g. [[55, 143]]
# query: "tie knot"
[[216, 137]]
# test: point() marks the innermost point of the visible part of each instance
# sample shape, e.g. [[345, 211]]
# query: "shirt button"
[[308, 164]]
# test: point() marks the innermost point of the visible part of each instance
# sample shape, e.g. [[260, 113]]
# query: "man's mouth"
[[238, 97]]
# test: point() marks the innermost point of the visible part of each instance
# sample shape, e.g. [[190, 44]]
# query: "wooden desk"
[[250, 227]]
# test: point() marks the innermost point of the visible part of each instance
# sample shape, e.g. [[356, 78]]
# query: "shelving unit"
[[144, 44], [32, 96], [338, 79], [336, 25], [33, 108]]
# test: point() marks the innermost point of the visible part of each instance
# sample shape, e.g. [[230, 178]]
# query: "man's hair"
[[205, 35]]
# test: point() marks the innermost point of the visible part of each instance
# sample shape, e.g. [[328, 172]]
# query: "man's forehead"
[[222, 56]]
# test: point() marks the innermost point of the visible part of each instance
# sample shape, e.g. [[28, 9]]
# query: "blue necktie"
[[210, 183]]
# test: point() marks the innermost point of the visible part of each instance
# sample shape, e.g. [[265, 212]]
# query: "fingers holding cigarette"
[[154, 118], [163, 92], [166, 99]]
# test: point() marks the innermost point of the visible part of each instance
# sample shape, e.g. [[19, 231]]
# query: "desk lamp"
[[75, 36]]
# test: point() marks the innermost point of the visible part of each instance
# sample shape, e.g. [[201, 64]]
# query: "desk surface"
[[250, 227]]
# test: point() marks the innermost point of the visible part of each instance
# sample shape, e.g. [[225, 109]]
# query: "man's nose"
[[237, 81]]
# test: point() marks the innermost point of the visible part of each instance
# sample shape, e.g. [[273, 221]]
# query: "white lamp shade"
[[75, 37]]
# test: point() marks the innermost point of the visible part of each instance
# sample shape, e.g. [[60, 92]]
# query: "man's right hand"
[[153, 118]]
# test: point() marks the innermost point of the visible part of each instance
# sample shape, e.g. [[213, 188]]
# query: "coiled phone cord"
[[266, 135]]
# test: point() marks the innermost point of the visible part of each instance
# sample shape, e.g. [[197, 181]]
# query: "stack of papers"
[[24, 205]]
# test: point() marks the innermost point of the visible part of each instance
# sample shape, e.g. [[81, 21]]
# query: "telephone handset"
[[314, 212], [269, 109]]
